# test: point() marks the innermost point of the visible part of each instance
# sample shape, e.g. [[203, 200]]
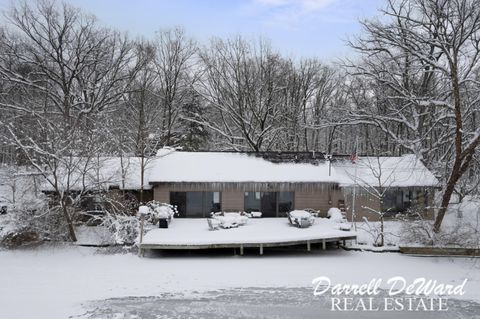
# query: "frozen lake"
[[59, 282], [250, 303]]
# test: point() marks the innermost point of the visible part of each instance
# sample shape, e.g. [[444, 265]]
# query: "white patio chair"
[[213, 224]]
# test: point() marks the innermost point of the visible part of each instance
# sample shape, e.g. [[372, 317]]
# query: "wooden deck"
[[194, 234], [260, 246]]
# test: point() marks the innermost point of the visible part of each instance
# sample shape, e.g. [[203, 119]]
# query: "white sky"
[[296, 27]]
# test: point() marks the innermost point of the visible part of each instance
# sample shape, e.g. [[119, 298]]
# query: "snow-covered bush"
[[416, 231], [335, 214], [158, 210], [124, 228], [32, 224], [373, 233], [460, 227]]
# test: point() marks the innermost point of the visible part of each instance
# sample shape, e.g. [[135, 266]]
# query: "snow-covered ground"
[[460, 225], [366, 234], [56, 282], [466, 213]]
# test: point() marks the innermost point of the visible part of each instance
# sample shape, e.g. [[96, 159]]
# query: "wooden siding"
[[318, 198], [321, 201], [161, 194], [232, 201]]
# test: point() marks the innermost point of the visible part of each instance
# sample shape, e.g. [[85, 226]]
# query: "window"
[[285, 202], [252, 202], [179, 199], [268, 205], [399, 201], [196, 204], [271, 204], [94, 203]]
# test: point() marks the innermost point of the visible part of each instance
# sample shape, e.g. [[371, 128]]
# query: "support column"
[[261, 249], [241, 250], [324, 244], [308, 245]]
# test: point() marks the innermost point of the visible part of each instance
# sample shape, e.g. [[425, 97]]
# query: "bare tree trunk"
[[68, 219]]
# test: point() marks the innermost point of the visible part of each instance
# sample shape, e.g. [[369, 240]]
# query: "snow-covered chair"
[[236, 217], [256, 214], [336, 215], [300, 218], [213, 224]]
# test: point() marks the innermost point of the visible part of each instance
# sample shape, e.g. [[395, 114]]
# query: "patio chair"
[[290, 220], [306, 222], [300, 219], [213, 224]]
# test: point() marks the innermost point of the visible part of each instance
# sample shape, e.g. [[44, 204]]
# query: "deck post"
[[308, 245], [261, 249], [140, 249], [324, 244], [241, 250]]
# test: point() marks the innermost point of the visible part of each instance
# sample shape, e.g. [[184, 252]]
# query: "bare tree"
[[173, 61], [421, 64], [67, 70], [240, 82]]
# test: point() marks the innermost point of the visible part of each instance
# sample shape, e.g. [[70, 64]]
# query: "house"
[[275, 183]]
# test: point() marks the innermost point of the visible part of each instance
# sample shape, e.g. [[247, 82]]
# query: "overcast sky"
[[296, 27]]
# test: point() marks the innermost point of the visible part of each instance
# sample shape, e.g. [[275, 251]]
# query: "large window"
[[195, 204], [399, 201], [271, 204], [285, 203]]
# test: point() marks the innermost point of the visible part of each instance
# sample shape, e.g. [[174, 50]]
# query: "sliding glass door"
[[195, 204], [271, 204]]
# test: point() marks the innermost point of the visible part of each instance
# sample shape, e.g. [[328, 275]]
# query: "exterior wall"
[[161, 194], [322, 200], [318, 200], [232, 201], [364, 204]]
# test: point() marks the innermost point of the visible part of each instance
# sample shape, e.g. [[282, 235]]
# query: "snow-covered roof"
[[401, 171], [170, 166], [103, 173], [233, 167], [178, 166]]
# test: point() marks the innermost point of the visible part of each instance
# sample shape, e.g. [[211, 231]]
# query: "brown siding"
[[161, 194], [364, 204], [318, 200], [232, 201]]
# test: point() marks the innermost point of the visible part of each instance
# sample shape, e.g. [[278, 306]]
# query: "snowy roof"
[[170, 166], [103, 173], [399, 171], [178, 166]]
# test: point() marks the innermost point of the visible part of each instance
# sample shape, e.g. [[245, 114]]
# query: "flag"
[[354, 156]]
